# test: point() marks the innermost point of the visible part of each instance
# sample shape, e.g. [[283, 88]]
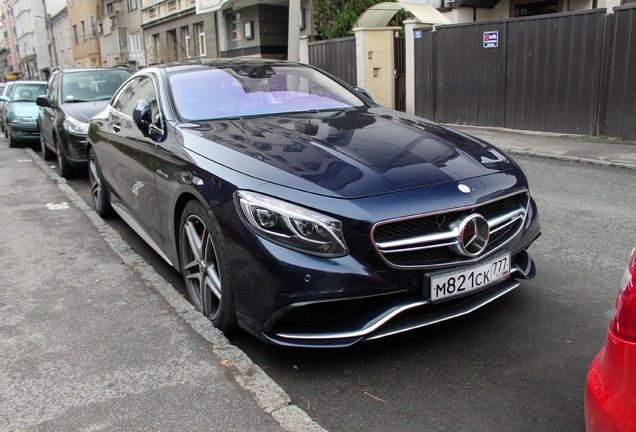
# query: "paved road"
[[518, 364]]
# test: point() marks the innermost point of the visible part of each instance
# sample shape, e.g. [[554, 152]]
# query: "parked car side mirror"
[[4, 99], [364, 93], [142, 116], [43, 101]]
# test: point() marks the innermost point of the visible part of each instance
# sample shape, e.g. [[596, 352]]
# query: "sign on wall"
[[491, 39]]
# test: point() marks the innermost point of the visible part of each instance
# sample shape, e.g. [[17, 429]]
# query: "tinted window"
[[256, 90]]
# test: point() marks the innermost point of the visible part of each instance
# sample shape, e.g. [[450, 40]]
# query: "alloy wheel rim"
[[96, 185], [201, 272]]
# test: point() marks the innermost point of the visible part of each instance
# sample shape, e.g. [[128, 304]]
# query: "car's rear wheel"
[[204, 266], [65, 168], [47, 154], [99, 193]]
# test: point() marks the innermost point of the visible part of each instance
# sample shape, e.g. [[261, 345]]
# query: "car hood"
[[83, 111], [25, 109], [346, 154]]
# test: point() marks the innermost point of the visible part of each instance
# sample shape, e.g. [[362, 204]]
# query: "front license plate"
[[452, 283]]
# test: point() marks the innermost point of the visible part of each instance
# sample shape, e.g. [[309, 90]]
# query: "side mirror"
[[142, 116], [364, 93], [43, 101], [4, 99]]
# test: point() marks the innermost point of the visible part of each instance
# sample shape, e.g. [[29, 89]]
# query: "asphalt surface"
[[91, 338]]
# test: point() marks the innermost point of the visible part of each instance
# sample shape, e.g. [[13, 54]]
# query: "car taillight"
[[623, 322]]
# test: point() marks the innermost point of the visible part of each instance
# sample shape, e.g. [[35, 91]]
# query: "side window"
[[140, 88], [123, 100]]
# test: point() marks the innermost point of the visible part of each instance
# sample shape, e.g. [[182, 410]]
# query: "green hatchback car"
[[21, 113]]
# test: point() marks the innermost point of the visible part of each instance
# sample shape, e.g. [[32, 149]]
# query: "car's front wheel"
[[99, 193], [204, 266], [47, 154], [65, 168]]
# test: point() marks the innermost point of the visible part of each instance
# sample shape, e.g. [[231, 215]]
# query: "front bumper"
[[74, 148], [289, 298], [24, 132]]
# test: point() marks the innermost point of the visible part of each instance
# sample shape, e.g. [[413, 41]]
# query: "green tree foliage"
[[335, 18]]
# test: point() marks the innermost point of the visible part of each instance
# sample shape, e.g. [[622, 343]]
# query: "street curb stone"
[[268, 395]]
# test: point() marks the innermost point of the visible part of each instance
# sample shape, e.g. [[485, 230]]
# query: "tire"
[[66, 170], [99, 191], [12, 143], [47, 154], [204, 266]]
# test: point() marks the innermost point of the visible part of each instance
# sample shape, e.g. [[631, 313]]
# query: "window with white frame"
[[185, 40], [237, 34], [68, 38], [135, 42], [61, 46], [200, 32], [91, 25], [87, 62], [132, 5]]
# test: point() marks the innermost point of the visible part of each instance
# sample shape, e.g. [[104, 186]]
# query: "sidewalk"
[[572, 148], [91, 338]]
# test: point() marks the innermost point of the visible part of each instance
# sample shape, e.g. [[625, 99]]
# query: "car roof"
[[223, 63]]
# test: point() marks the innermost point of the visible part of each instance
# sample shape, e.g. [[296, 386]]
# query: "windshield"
[[92, 85], [256, 90], [28, 92]]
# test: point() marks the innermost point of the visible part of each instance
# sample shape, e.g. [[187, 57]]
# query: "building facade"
[[120, 33], [82, 17], [173, 31]]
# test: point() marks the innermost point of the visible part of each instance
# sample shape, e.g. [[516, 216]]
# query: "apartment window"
[[236, 30], [200, 40], [185, 41], [91, 23], [172, 5], [132, 5], [156, 47], [75, 36], [61, 38], [78, 64], [152, 12], [68, 38], [83, 31], [135, 42], [87, 62]]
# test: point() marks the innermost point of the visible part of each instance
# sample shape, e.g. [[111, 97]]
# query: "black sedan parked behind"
[[301, 211], [73, 96]]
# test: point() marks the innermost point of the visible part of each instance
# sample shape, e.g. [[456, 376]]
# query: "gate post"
[[374, 61]]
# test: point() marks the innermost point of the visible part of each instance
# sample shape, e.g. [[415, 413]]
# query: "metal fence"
[[620, 116], [336, 56]]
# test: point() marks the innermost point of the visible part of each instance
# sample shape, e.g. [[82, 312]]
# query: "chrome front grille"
[[429, 240]]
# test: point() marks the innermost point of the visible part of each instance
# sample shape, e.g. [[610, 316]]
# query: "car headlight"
[[292, 226], [21, 119], [75, 126]]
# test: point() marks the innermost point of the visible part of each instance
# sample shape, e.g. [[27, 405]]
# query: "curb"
[[265, 391], [587, 161]]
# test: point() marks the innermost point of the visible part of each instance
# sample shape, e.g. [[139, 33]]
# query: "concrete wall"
[[375, 63]]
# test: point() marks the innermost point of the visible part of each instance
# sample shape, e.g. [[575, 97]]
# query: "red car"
[[610, 396]]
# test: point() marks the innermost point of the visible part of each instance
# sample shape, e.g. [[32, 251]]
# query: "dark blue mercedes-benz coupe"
[[301, 211]]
